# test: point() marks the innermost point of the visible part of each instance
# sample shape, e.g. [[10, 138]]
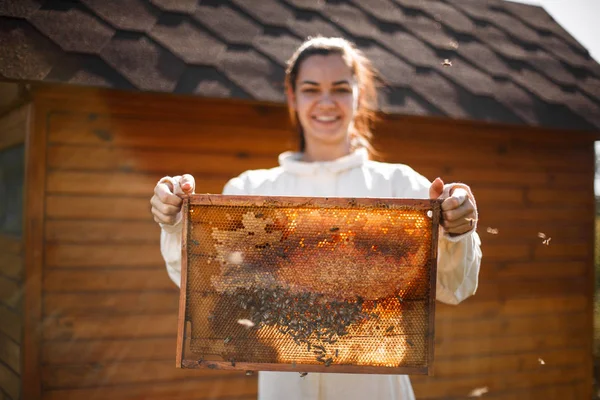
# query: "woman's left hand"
[[459, 212]]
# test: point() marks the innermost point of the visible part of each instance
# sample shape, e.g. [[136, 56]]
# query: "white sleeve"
[[170, 235], [458, 264], [170, 248], [459, 257]]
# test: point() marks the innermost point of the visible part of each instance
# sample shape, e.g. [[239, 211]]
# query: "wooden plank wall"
[[12, 133], [109, 310]]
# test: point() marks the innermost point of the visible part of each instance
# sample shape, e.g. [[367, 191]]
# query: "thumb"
[[436, 189], [187, 184]]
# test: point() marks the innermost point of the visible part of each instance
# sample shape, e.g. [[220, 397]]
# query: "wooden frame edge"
[[295, 201], [34, 201], [435, 222], [183, 283], [344, 369]]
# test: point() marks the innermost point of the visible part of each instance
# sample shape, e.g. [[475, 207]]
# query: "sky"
[[581, 18]]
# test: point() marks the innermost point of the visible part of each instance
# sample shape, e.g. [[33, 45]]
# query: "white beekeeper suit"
[[353, 175]]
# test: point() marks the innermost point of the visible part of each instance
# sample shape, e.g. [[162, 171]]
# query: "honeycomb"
[[308, 284]]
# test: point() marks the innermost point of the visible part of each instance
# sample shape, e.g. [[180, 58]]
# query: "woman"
[[331, 94]]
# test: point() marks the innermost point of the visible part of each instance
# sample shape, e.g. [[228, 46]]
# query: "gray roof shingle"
[[227, 23], [132, 15], [143, 63], [19, 9], [193, 46], [92, 35], [508, 62]]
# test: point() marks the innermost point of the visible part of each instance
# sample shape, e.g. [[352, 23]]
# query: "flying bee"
[[545, 239]]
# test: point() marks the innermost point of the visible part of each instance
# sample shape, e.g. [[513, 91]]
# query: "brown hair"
[[362, 70]]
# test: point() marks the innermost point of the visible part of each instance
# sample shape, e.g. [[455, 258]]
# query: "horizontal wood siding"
[[11, 287], [110, 310], [13, 126]]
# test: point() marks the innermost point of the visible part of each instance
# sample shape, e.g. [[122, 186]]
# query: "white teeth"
[[326, 119]]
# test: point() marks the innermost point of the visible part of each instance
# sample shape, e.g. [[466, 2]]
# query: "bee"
[[303, 374], [389, 329], [246, 322], [334, 229], [447, 63], [546, 240]]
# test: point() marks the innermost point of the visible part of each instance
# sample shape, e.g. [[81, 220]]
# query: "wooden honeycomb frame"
[[242, 255]]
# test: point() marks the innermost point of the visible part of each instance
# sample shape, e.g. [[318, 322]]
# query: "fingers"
[[457, 199], [183, 185], [166, 204], [162, 218], [436, 189], [466, 210], [165, 208], [165, 192], [459, 227], [187, 183], [460, 219]]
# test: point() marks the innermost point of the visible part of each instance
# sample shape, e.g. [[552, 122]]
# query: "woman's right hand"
[[168, 197]]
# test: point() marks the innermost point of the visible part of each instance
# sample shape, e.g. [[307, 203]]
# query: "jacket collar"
[[291, 162]]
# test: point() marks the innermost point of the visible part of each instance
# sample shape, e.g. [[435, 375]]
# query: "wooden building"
[[106, 100]]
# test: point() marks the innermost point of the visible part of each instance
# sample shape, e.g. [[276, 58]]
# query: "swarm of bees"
[[307, 318]]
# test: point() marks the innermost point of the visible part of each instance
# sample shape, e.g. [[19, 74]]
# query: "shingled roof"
[[506, 62]]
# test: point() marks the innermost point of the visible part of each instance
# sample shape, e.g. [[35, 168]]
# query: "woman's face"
[[325, 100]]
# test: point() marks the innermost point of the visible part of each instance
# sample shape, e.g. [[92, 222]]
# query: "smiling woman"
[[332, 98]]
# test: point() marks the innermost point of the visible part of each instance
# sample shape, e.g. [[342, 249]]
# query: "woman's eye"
[[309, 90], [343, 90]]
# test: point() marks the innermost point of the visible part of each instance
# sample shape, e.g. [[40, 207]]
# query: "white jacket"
[[353, 175]]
